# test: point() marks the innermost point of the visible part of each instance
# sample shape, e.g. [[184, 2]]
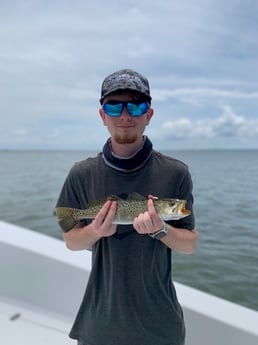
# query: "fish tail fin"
[[67, 224], [64, 212], [65, 218]]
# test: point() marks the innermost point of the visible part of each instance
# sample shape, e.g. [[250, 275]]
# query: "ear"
[[150, 113], [103, 116]]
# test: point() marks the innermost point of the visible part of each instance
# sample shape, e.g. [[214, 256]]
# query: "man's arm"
[[182, 240], [80, 238]]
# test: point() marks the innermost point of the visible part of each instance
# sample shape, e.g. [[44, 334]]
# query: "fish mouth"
[[186, 212]]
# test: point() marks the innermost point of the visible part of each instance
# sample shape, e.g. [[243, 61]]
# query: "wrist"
[[160, 233]]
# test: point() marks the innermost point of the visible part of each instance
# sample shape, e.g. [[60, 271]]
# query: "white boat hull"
[[42, 284]]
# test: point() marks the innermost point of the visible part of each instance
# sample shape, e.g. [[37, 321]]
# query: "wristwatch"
[[161, 233]]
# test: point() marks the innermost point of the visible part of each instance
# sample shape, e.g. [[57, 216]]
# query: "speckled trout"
[[127, 210]]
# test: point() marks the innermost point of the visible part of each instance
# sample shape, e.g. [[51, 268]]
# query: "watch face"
[[159, 235]]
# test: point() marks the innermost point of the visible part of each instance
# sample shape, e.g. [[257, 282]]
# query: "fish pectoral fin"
[[135, 196]]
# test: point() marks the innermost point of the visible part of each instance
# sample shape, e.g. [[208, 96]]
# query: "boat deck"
[[22, 325]]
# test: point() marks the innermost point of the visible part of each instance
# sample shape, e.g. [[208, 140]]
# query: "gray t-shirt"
[[130, 298]]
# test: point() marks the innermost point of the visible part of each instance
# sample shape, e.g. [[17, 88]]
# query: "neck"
[[126, 150], [127, 160]]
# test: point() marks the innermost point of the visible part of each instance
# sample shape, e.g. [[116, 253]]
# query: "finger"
[[151, 208], [147, 221], [150, 196], [143, 223], [101, 215], [103, 221], [111, 213], [155, 218], [138, 224]]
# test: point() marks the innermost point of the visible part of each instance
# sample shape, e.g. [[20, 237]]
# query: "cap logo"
[[127, 77]]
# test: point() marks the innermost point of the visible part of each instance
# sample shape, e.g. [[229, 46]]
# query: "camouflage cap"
[[125, 79]]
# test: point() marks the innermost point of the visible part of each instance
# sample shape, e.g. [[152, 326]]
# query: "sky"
[[200, 57]]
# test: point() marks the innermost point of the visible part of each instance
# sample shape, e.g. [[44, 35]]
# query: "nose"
[[125, 114]]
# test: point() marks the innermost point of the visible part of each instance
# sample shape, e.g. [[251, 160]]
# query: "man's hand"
[[102, 224], [148, 222], [80, 238]]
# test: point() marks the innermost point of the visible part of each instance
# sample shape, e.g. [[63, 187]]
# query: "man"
[[130, 298]]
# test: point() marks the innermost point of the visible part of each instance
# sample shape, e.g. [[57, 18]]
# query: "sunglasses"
[[115, 108]]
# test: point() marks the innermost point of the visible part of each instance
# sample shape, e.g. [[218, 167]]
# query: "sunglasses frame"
[[125, 104]]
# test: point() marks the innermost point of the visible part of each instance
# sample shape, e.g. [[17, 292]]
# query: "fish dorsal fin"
[[95, 203], [135, 196]]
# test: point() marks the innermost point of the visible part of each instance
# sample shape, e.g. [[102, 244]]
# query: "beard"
[[125, 139]]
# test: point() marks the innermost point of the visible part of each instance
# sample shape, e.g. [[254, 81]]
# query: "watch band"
[[161, 233]]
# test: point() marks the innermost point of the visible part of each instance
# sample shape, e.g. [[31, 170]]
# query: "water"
[[226, 207]]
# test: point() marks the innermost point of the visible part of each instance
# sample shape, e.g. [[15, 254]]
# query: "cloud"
[[203, 95], [197, 59], [228, 125], [20, 132]]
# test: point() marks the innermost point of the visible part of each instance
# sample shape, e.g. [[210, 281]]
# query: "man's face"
[[125, 129]]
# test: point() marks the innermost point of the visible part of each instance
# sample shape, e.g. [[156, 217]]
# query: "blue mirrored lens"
[[137, 109], [115, 108]]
